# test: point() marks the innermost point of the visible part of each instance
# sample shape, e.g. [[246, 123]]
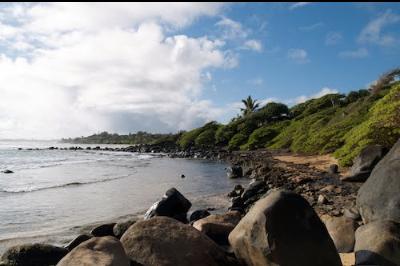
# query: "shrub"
[[381, 127], [236, 141]]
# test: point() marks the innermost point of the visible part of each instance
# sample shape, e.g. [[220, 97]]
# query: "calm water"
[[52, 193]]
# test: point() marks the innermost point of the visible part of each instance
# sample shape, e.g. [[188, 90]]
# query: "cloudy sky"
[[75, 69]]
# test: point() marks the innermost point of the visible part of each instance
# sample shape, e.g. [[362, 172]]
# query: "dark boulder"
[[7, 171], [379, 197], [333, 169], [173, 204], [120, 228], [365, 162], [235, 171], [33, 255], [198, 214], [378, 243], [236, 192], [254, 188], [76, 241], [283, 229], [103, 230]]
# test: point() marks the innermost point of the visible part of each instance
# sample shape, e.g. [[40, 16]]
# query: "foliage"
[[108, 138], [188, 139], [250, 106], [382, 126], [385, 80], [263, 135], [237, 140]]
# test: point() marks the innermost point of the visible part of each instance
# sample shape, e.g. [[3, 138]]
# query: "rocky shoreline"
[[289, 214]]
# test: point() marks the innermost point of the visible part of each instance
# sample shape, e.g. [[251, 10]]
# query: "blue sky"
[[75, 69]]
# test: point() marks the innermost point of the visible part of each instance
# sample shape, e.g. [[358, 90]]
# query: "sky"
[[74, 69]]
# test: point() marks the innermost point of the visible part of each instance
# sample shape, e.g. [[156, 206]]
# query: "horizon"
[[73, 69]]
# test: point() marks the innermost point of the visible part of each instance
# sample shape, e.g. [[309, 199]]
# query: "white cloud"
[[300, 99], [298, 55], [372, 33], [254, 45], [256, 81], [359, 53], [93, 67], [232, 29], [299, 4], [312, 27], [333, 38]]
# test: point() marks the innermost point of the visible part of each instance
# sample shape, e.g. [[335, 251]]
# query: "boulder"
[[163, 241], [218, 226], [198, 214], [120, 228], [352, 213], [235, 171], [379, 197], [76, 241], [7, 171], [333, 169], [342, 231], [33, 255], [103, 230], [236, 192], [364, 163], [99, 251], [378, 243], [283, 229], [253, 189], [173, 204]]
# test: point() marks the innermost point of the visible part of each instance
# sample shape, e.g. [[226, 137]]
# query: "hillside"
[[335, 123]]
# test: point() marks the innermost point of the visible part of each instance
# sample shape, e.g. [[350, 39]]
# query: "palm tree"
[[250, 106]]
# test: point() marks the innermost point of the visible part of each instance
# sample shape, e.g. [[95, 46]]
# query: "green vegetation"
[[335, 123], [250, 106], [107, 138]]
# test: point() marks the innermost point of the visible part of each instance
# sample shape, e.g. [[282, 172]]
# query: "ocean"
[[53, 195]]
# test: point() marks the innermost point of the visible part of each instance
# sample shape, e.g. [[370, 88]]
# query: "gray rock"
[[365, 162], [33, 255], [173, 204], [163, 241], [103, 230], [234, 171], [99, 251], [352, 213], [378, 243], [120, 228], [198, 214], [283, 229], [379, 197]]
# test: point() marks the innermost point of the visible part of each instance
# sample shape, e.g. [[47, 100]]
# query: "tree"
[[250, 106], [385, 80]]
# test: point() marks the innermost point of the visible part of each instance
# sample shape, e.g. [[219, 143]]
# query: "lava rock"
[[33, 255], [103, 230], [198, 214], [173, 204]]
